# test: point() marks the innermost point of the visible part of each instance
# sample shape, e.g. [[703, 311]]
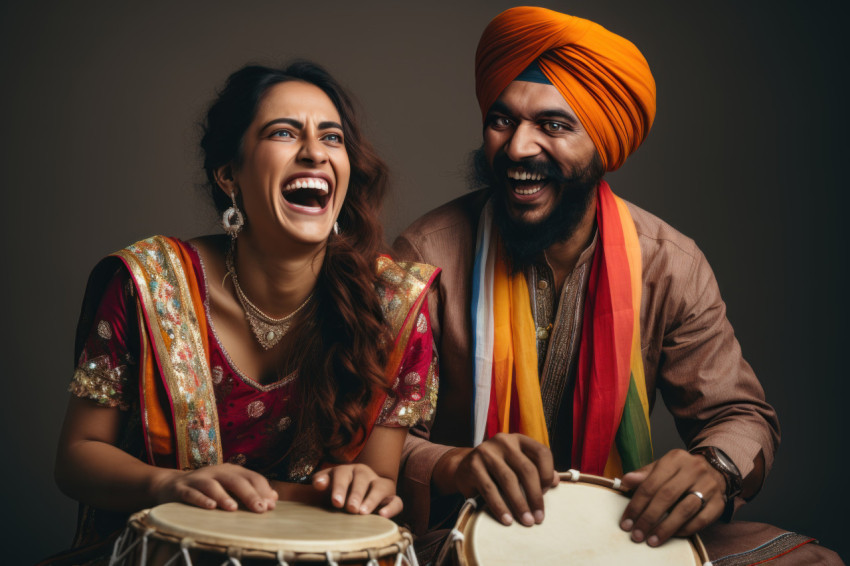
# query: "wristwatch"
[[718, 460]]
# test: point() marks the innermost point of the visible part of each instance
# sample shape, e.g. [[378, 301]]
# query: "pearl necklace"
[[267, 330]]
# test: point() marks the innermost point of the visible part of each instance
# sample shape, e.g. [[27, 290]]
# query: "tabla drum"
[[581, 528], [175, 534]]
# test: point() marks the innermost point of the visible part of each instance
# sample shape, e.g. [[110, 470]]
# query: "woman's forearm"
[[106, 477]]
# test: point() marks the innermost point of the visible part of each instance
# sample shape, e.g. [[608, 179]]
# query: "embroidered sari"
[[145, 344]]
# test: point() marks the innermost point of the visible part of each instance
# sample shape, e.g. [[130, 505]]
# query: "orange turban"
[[603, 77]]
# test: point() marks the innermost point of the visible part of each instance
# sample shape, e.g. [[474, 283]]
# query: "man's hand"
[[664, 504], [510, 471]]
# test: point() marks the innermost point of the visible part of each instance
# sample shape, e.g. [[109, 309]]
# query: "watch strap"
[[718, 460]]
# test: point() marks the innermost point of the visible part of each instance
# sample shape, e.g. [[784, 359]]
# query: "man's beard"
[[523, 242]]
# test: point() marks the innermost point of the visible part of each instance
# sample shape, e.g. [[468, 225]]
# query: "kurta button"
[[542, 284], [542, 333]]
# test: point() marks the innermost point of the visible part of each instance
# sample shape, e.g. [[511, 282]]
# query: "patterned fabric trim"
[[783, 544], [98, 381], [410, 413], [175, 335], [399, 286]]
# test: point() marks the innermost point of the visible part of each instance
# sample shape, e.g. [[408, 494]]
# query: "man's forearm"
[[443, 477]]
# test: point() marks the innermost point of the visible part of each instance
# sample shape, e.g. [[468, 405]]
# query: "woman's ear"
[[226, 182]]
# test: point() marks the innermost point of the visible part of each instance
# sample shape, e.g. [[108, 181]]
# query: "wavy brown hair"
[[340, 350]]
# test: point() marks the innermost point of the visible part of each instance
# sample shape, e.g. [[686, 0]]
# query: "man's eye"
[[553, 127], [500, 122]]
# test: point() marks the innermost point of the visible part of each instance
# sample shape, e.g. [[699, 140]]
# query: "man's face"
[[543, 168], [533, 141]]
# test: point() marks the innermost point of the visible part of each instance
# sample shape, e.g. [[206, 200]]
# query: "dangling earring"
[[336, 228], [232, 219]]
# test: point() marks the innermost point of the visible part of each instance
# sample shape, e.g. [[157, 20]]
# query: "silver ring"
[[701, 499]]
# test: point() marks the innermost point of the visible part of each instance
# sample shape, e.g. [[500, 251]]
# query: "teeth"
[[528, 191], [307, 183], [522, 175]]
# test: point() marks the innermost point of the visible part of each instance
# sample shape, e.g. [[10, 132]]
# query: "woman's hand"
[[211, 487], [359, 490]]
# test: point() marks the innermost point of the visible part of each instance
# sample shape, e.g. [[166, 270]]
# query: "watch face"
[[726, 462]]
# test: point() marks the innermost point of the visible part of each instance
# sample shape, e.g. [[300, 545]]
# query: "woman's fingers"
[[192, 496], [392, 508], [244, 491], [358, 489], [381, 496], [221, 486], [340, 480], [361, 482], [210, 487]]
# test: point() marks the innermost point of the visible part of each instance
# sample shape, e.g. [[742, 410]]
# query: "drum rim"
[[394, 543], [467, 514]]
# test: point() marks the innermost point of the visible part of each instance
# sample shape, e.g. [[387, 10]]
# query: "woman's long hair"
[[340, 349]]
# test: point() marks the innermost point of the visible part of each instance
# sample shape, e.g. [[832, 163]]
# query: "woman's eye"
[[281, 134], [333, 138]]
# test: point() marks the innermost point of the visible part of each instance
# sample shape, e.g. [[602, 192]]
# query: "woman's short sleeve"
[[107, 365], [413, 396]]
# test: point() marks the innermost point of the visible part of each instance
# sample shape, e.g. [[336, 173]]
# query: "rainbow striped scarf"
[[610, 405]]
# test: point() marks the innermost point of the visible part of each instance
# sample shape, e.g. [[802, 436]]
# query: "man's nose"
[[522, 143]]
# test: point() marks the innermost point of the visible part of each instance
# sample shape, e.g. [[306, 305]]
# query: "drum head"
[[290, 526], [581, 528]]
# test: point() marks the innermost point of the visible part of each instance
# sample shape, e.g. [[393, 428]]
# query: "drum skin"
[[581, 529], [293, 533]]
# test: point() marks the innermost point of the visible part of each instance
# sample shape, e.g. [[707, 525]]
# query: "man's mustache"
[[536, 166]]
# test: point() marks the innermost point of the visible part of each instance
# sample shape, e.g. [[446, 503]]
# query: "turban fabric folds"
[[602, 76]]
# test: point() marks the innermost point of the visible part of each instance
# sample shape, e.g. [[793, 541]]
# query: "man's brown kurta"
[[689, 349]]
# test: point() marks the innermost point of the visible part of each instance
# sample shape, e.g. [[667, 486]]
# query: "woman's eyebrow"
[[291, 121], [329, 125]]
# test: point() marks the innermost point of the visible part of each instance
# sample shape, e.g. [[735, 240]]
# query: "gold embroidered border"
[[175, 333], [399, 286]]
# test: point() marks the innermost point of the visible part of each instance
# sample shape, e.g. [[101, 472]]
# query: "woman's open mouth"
[[307, 193]]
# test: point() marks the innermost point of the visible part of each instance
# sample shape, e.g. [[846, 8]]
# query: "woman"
[[232, 370]]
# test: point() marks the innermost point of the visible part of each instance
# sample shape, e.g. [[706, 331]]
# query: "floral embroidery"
[[255, 409], [96, 379], [175, 334], [104, 330], [412, 378], [421, 324], [239, 459]]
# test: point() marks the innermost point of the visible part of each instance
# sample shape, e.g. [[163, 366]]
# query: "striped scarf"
[[610, 405]]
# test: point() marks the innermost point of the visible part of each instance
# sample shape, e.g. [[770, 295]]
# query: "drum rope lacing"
[[405, 556], [118, 554], [455, 535]]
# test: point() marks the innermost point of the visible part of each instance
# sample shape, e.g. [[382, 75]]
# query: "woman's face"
[[294, 172]]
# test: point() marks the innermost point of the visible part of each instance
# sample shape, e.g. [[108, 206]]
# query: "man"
[[562, 309]]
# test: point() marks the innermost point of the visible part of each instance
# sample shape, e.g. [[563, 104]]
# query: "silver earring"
[[232, 220], [336, 227]]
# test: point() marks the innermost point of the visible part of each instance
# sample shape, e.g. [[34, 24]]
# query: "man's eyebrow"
[[559, 114], [499, 107]]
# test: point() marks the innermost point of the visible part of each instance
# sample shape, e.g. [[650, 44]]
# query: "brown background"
[[100, 104]]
